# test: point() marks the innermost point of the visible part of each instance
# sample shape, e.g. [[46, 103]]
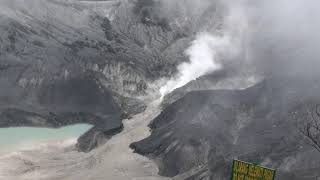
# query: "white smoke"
[[207, 50], [204, 58]]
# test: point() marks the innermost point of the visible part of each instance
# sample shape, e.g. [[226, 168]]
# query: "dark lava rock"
[[78, 100], [68, 62], [96, 136], [198, 136]]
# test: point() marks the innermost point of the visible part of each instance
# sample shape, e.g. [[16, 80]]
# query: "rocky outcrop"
[[197, 136], [218, 80], [66, 62], [63, 59]]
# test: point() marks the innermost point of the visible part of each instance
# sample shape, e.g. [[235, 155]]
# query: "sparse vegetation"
[[311, 127]]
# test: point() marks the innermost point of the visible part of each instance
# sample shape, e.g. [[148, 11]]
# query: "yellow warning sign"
[[247, 171]]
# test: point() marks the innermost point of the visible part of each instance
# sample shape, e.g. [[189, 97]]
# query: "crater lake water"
[[19, 138]]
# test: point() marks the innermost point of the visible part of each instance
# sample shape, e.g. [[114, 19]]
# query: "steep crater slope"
[[65, 62], [197, 136]]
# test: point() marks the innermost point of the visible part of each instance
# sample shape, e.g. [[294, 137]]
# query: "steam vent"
[[159, 90]]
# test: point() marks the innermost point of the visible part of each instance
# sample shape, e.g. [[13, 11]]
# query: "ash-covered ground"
[[174, 89]]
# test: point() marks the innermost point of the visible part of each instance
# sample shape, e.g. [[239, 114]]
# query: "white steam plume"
[[206, 51], [204, 58]]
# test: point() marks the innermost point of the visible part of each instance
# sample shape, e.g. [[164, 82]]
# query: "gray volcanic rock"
[[65, 62], [77, 100], [197, 136], [223, 79]]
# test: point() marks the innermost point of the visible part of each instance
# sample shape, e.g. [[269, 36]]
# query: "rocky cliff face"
[[58, 57], [197, 136], [72, 61], [64, 62]]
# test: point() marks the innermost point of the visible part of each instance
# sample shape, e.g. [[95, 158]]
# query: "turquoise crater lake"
[[12, 139]]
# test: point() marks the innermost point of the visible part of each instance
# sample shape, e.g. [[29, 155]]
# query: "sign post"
[[248, 171]]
